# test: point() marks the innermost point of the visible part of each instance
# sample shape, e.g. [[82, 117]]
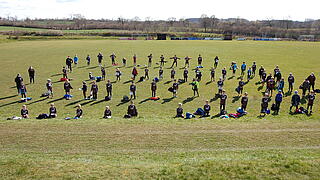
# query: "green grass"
[[154, 145]]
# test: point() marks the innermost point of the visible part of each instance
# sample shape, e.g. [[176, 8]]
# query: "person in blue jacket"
[[278, 100], [281, 86], [243, 68], [75, 59], [234, 67]]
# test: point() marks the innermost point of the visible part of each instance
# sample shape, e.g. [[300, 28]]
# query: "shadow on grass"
[[122, 103], [55, 82], [216, 97], [229, 78], [145, 100], [129, 81], [259, 88], [166, 100], [235, 99], [82, 67], [75, 102], [257, 83], [93, 67], [167, 82], [303, 100], [8, 97], [55, 100], [14, 102], [215, 116], [209, 82], [54, 75], [97, 102], [189, 99], [39, 100], [287, 94], [85, 103]]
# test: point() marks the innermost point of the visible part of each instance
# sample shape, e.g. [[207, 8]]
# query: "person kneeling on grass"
[[132, 111], [24, 112], [52, 111], [79, 112], [107, 113], [179, 111], [206, 109]]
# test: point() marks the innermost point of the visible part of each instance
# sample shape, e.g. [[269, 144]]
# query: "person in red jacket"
[[134, 73]]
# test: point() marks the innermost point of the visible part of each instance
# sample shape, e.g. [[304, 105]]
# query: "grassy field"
[[154, 145]]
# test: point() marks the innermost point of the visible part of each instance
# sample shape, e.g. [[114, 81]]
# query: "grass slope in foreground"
[[165, 149]]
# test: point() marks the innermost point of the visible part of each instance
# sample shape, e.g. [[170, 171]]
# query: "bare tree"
[[205, 22]]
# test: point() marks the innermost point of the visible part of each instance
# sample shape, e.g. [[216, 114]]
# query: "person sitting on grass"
[[52, 111], [24, 112], [132, 110], [264, 105], [79, 112], [107, 113], [206, 109], [179, 111], [295, 101]]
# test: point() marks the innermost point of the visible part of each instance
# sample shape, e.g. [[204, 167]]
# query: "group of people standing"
[[273, 82]]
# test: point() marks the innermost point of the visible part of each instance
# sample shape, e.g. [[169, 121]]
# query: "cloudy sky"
[[162, 9]]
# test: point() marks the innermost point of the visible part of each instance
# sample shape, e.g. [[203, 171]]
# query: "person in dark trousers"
[[264, 105], [109, 89], [18, 80], [311, 97], [234, 68], [100, 57], [175, 87], [175, 61], [124, 62], [295, 101], [278, 76], [240, 87], [206, 109], [198, 74], [113, 58], [24, 112], [179, 111], [291, 82], [278, 100], [172, 74], [244, 101], [270, 86], [79, 112], [220, 86], [31, 73], [69, 62], [64, 72], [224, 73], [263, 78], [49, 88], [23, 91], [134, 73], [281, 86], [254, 68], [223, 101], [150, 60], [187, 61], [243, 68], [133, 89], [249, 74], [88, 60], [185, 75], [199, 60], [216, 61], [261, 70], [118, 74], [312, 80], [103, 73], [84, 89], [134, 57], [305, 86], [153, 88], [67, 87], [146, 73], [132, 110], [162, 60], [212, 74], [195, 87], [160, 73], [107, 113], [52, 111], [276, 70], [94, 90]]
